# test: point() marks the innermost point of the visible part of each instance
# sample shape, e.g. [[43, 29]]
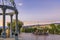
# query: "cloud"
[[20, 4]]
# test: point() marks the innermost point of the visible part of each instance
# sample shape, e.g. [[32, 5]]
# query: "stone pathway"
[[30, 36]]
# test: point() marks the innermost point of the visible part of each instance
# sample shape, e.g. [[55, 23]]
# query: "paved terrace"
[[30, 36]]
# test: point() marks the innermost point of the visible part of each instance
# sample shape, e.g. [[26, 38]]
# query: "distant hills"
[[39, 22]]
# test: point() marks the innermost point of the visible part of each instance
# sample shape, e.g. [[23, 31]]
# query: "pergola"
[[4, 8]]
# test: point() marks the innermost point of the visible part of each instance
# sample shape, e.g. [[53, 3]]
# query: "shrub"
[[29, 30], [22, 30], [0, 31]]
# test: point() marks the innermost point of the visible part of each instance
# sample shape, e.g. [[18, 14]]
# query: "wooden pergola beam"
[[7, 13]]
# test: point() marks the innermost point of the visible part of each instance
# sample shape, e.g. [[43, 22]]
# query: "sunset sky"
[[38, 10], [43, 11]]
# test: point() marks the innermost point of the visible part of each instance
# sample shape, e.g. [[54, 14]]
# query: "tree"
[[53, 26], [20, 23], [58, 26], [58, 29]]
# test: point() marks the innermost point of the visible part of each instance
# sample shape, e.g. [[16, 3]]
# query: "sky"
[[38, 10]]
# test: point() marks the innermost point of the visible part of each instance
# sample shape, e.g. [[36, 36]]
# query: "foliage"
[[20, 23], [58, 26], [7, 32], [22, 30], [58, 29], [28, 30], [53, 30], [0, 31]]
